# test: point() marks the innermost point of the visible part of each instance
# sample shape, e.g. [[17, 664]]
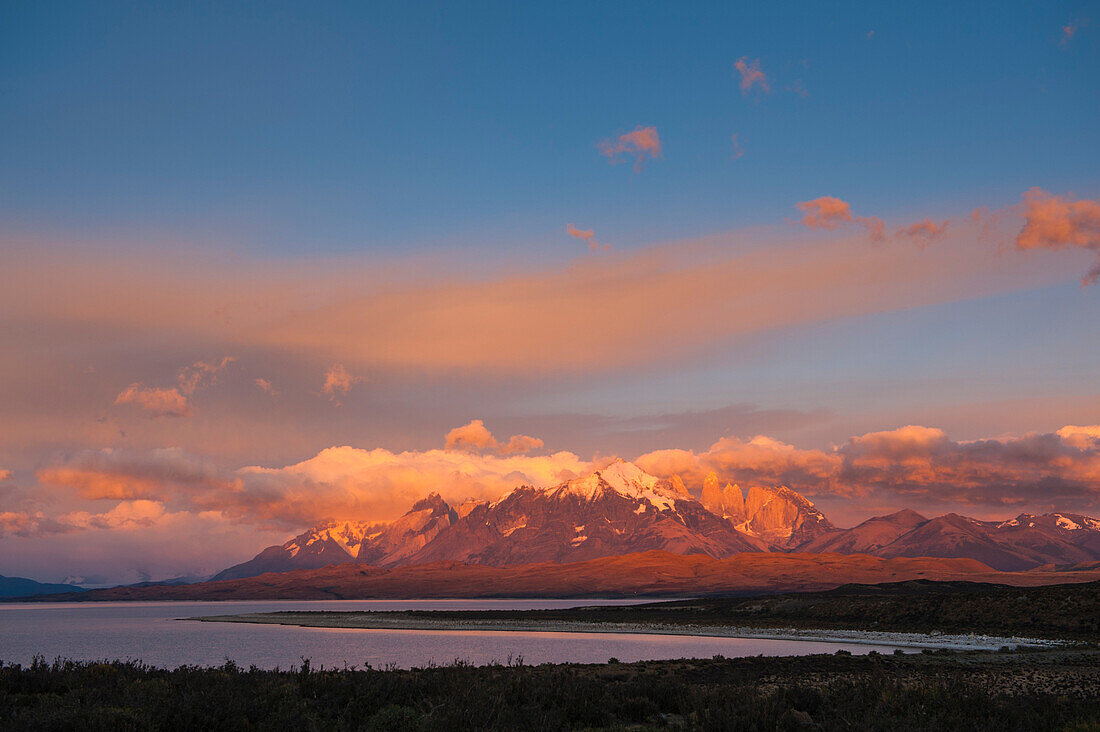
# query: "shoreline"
[[970, 642]]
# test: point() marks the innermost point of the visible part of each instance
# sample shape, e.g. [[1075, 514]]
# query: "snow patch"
[[1065, 523]]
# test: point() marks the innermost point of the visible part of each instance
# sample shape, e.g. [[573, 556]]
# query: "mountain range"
[[622, 510], [11, 587], [652, 573]]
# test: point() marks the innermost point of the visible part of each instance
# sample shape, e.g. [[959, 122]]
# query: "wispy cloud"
[[265, 386], [156, 402], [588, 236], [643, 142], [1069, 30], [924, 231], [173, 401], [737, 150], [751, 75], [828, 212]]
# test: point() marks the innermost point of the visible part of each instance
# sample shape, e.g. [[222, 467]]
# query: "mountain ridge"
[[620, 509]]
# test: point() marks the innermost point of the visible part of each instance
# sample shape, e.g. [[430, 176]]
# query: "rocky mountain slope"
[[620, 509], [617, 510]]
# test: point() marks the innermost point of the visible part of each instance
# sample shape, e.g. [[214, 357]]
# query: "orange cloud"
[[27, 524], [528, 321], [640, 143], [4, 474], [338, 382], [339, 482], [125, 515], [926, 230], [1068, 31], [475, 436], [124, 475], [828, 212], [825, 212], [200, 374], [265, 386], [521, 444], [173, 402], [751, 75], [156, 402], [1059, 470], [1054, 222], [586, 235]]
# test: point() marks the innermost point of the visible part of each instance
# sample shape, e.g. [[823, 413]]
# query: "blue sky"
[[369, 127]]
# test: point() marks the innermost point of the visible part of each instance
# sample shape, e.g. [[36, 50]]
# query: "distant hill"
[[653, 573], [23, 587]]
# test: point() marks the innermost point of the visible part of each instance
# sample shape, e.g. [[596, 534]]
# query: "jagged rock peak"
[[432, 501]]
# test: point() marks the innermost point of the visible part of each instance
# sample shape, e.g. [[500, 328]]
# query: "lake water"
[[152, 632]]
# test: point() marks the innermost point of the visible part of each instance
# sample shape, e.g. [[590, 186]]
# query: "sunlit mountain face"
[[621, 510], [549, 283]]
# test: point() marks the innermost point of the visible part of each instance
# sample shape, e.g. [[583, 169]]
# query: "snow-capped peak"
[[624, 478], [348, 535]]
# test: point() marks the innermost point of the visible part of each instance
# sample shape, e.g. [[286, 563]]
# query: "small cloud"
[[520, 444], [871, 33], [751, 75], [825, 212], [174, 401], [201, 374], [737, 151], [474, 436], [338, 382], [4, 474], [829, 212], [924, 231], [798, 88], [586, 235], [1054, 222], [640, 143], [265, 386], [156, 402], [1068, 31]]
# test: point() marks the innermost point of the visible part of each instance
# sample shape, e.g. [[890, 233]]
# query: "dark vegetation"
[[1052, 611], [1047, 690]]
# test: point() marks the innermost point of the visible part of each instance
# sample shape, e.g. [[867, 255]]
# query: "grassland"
[[1039, 690]]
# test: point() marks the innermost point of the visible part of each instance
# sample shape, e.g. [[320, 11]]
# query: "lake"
[[152, 632]]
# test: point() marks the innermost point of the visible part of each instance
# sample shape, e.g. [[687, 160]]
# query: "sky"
[[265, 265]]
